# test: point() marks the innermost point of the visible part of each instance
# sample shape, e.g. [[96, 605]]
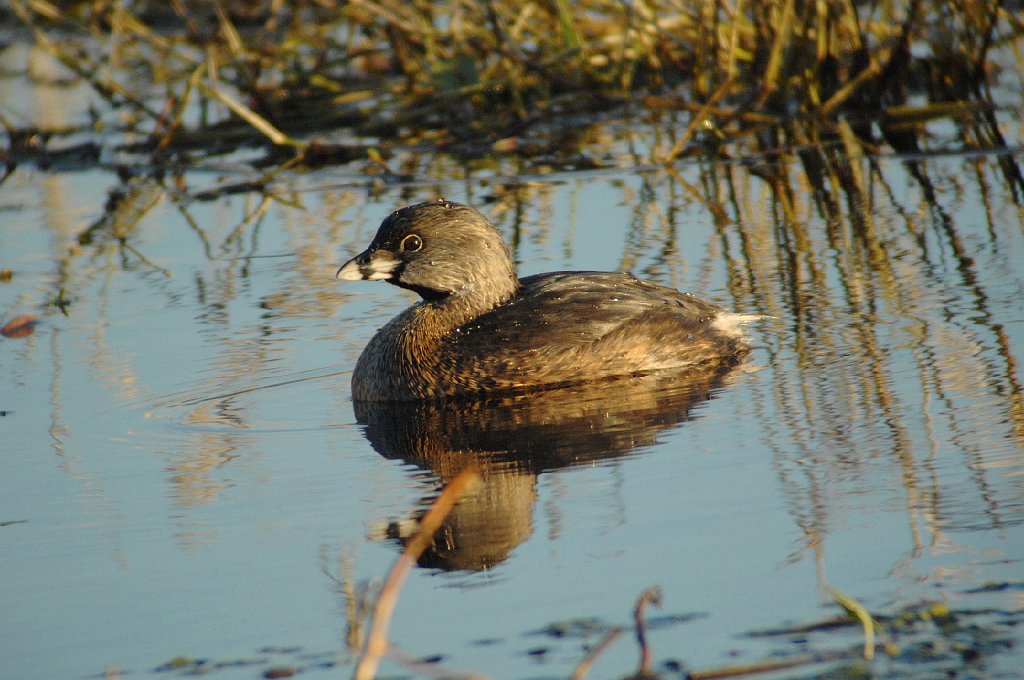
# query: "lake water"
[[184, 476]]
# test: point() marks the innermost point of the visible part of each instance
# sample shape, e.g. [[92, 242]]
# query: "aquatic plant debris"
[[20, 326], [856, 610], [503, 76], [377, 644]]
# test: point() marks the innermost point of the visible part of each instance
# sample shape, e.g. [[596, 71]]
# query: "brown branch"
[[650, 596], [584, 665], [762, 666], [377, 640]]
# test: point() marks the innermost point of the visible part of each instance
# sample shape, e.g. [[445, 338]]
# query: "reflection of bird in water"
[[480, 329], [512, 439]]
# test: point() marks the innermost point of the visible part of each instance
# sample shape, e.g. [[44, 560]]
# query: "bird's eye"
[[411, 243]]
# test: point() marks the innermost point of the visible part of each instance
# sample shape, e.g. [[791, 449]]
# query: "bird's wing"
[[566, 309]]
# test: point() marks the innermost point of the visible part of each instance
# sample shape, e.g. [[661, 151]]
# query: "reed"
[[479, 71]]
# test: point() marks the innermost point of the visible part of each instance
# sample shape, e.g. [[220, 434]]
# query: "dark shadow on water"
[[515, 438]]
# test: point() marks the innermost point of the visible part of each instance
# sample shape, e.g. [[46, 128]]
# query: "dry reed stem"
[[377, 642], [874, 69], [651, 595], [583, 667], [762, 666], [249, 116], [857, 610], [429, 669], [182, 106], [697, 120], [782, 37]]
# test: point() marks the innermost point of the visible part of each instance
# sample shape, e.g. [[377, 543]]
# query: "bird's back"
[[568, 327]]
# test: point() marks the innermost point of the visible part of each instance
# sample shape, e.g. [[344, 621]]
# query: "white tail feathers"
[[732, 323]]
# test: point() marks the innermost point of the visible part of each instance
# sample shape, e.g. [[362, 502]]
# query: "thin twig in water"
[[249, 116], [696, 121], [763, 666], [584, 665], [429, 669], [377, 640], [650, 596], [858, 611]]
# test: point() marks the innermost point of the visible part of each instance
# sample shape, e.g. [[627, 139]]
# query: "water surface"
[[185, 476]]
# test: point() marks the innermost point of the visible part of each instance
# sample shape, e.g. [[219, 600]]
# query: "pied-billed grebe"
[[480, 329]]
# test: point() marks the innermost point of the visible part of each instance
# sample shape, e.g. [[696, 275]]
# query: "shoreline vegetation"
[[478, 78]]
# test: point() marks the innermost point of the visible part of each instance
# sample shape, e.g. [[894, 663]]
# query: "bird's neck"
[[437, 317]]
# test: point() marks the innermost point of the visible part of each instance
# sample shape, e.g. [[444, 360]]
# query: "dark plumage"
[[479, 329]]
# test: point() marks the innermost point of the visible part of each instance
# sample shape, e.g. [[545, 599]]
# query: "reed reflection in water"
[[889, 407], [895, 361], [895, 285]]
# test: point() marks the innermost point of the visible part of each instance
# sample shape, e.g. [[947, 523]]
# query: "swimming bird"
[[479, 329]]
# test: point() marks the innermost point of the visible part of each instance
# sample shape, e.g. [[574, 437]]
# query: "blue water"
[[183, 474]]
